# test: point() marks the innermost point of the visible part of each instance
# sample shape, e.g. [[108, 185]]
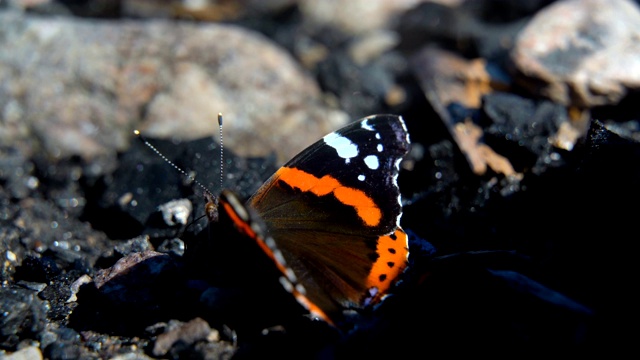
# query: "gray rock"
[[77, 87], [22, 315]]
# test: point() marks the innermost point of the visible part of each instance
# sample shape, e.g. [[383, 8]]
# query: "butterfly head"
[[211, 207]]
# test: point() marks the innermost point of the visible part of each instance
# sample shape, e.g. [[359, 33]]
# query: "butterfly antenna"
[[207, 192], [221, 151]]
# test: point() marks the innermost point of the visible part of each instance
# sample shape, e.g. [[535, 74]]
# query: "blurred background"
[[519, 188]]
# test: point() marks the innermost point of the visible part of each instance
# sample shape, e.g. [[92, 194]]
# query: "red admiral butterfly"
[[330, 217]]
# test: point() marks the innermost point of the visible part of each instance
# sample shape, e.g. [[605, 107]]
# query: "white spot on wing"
[[237, 206], [365, 125], [380, 147], [404, 127], [278, 256], [397, 163], [372, 162], [345, 148], [286, 284], [291, 275], [400, 214], [361, 177], [301, 289]]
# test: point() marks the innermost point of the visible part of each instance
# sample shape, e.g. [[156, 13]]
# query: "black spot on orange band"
[[391, 263]]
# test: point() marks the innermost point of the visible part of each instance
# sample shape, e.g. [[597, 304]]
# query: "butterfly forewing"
[[334, 212]]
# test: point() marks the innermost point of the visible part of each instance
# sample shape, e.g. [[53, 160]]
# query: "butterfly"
[[329, 218]]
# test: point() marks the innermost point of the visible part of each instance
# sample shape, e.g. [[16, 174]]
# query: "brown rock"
[[446, 79], [581, 53]]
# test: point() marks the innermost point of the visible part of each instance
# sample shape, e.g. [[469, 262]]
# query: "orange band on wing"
[[361, 202], [310, 306], [244, 228]]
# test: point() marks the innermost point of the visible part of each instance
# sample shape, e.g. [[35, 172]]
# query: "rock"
[[22, 316], [581, 53], [184, 335], [371, 15], [83, 95], [27, 353], [133, 276]]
